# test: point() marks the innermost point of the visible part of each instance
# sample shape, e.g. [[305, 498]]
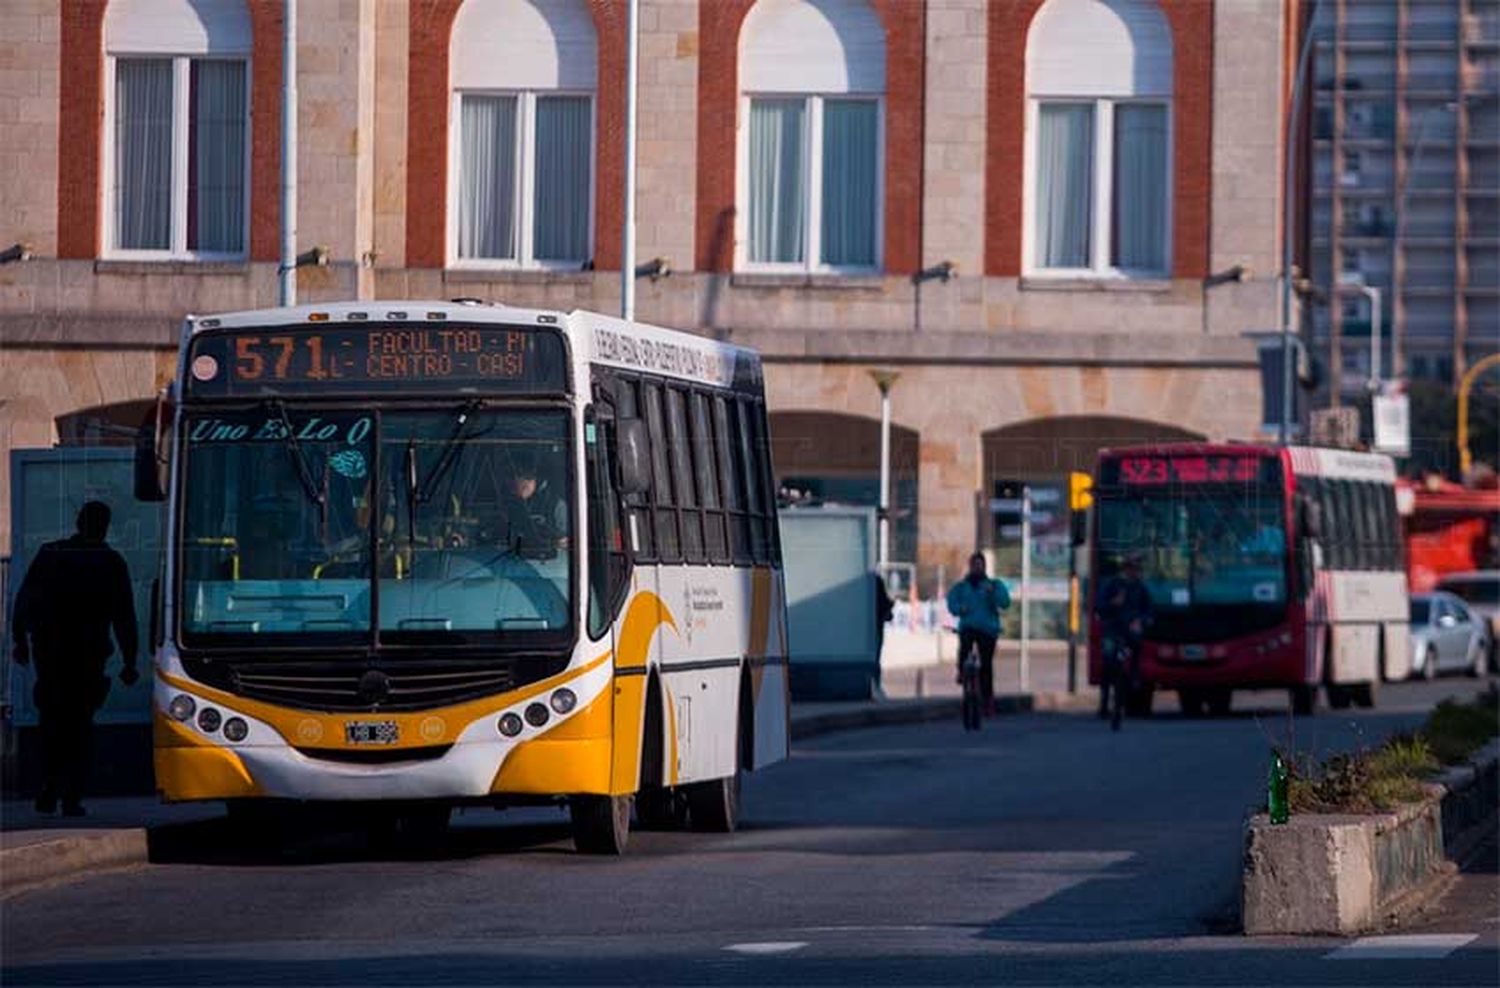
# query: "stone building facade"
[[1017, 357]]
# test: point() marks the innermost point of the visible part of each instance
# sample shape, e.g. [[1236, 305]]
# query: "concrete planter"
[[1336, 874]]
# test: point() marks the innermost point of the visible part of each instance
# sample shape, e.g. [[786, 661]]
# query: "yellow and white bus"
[[426, 554]]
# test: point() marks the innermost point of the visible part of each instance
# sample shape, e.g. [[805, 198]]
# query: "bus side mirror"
[[151, 461], [148, 486], [632, 446], [1309, 519]]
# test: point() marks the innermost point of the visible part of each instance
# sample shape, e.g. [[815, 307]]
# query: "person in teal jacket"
[[977, 601]]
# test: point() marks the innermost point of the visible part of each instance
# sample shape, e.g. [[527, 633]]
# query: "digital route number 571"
[[253, 355]]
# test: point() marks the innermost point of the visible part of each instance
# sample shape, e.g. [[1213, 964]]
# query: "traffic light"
[[1080, 491]]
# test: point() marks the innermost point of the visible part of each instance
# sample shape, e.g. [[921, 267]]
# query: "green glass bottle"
[[1276, 798]]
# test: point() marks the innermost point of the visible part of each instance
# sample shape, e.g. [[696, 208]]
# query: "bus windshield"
[[1212, 557], [391, 527]]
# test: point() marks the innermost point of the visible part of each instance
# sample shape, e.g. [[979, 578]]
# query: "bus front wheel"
[[601, 824]]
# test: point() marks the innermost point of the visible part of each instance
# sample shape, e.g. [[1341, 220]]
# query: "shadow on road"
[[221, 842]]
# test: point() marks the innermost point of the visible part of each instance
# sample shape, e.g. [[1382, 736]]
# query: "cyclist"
[[1124, 610], [977, 601]]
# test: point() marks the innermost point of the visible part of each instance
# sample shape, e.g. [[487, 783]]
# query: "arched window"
[[177, 111], [812, 79], [524, 76], [1099, 115]]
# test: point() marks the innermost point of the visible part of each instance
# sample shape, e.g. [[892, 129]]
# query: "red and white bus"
[[1268, 568]]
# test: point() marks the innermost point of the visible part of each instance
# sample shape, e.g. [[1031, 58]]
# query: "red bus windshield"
[[1213, 555]]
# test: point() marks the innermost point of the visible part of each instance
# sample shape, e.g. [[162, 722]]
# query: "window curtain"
[[849, 182], [1140, 194], [487, 177], [778, 181], [560, 222], [1064, 184], [216, 187], [143, 153]]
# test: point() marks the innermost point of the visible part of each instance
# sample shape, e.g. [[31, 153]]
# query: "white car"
[[1481, 591], [1446, 636]]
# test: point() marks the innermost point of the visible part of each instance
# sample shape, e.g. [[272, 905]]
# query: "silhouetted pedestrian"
[[75, 591], [884, 610]]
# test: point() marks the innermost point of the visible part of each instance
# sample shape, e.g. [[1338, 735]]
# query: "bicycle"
[[1119, 668], [973, 704]]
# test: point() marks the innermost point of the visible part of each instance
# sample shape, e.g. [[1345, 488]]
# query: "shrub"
[[1456, 730]]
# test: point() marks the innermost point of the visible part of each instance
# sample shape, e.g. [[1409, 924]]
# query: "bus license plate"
[[371, 732]]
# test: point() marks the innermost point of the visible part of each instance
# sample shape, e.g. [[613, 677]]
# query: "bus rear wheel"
[[714, 807], [1220, 702], [601, 824], [1192, 703], [1305, 700], [1363, 694]]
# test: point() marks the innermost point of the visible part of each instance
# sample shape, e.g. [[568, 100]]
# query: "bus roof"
[[593, 337], [1306, 461]]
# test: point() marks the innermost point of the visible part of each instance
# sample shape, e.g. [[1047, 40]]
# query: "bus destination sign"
[[1209, 469], [376, 358]]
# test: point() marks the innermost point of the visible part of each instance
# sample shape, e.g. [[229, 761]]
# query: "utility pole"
[[1289, 190], [884, 380], [627, 235], [287, 270]]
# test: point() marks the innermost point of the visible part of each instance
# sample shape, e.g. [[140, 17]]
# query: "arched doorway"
[[834, 457]]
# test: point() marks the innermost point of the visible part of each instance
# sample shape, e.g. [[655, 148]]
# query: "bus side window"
[[605, 551], [1390, 527], [637, 507], [680, 447], [707, 474], [668, 547], [726, 442], [1374, 537], [1333, 526], [767, 482], [755, 497]]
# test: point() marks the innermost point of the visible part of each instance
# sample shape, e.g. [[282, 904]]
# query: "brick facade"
[[80, 194], [1192, 24], [719, 24], [429, 99]]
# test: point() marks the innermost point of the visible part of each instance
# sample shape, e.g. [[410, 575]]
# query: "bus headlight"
[[236, 729], [182, 707], [536, 715], [564, 700], [209, 720], [510, 725]]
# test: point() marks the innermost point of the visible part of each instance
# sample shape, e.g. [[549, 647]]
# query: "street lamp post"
[[287, 270], [884, 380], [1466, 385], [1355, 283]]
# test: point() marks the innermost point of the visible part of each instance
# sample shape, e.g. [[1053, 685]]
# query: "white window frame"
[[813, 245], [181, 120], [525, 205], [1100, 266]]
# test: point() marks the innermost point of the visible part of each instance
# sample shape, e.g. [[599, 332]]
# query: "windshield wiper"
[[422, 493], [299, 458]]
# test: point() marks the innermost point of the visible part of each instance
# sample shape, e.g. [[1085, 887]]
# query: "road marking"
[[767, 948], [1410, 947]]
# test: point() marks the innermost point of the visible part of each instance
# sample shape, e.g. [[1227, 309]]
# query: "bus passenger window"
[[726, 436], [636, 507], [706, 472], [668, 547], [682, 474], [755, 496]]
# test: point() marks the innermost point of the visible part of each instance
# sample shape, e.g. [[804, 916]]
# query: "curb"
[[64, 856], [903, 712]]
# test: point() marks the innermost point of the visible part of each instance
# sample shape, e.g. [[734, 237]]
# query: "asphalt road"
[[1043, 850]]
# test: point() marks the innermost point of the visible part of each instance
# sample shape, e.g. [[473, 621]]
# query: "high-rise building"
[[1406, 185]]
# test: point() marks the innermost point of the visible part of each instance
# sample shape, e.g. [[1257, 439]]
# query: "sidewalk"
[[35, 849]]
